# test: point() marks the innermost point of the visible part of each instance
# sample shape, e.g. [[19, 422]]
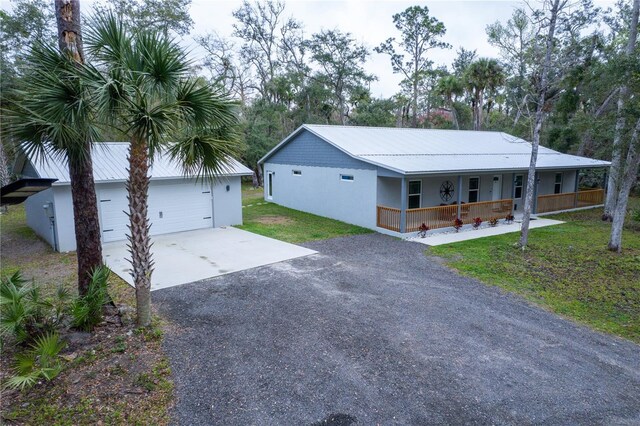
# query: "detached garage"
[[176, 203]]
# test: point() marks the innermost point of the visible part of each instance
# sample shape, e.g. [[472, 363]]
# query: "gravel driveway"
[[370, 331]]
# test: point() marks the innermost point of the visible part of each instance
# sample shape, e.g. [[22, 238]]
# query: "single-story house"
[[395, 179], [176, 203]]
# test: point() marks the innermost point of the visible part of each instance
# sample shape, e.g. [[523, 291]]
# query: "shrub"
[[40, 362], [422, 230], [86, 311], [457, 224], [493, 221], [509, 218], [477, 221], [24, 313], [635, 215]]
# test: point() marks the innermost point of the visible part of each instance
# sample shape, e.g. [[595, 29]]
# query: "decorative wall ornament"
[[446, 190]]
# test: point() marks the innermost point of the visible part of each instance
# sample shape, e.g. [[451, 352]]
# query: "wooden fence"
[[569, 200], [389, 218]]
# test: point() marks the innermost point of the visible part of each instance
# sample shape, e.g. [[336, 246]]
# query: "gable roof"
[[425, 151], [110, 165]]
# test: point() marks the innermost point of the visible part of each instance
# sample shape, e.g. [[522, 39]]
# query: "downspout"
[[403, 205]]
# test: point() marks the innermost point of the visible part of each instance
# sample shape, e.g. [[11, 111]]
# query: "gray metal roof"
[[110, 164], [427, 151]]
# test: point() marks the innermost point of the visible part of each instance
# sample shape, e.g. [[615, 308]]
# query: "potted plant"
[[422, 230], [457, 224], [477, 221]]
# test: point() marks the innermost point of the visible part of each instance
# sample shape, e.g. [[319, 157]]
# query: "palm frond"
[[207, 153]]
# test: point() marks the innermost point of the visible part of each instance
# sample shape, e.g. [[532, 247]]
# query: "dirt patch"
[[274, 220]]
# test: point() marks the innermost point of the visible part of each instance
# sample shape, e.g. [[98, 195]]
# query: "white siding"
[[37, 218], [319, 190], [227, 205]]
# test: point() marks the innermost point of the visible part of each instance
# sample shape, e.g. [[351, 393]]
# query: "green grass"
[[566, 268], [293, 226]]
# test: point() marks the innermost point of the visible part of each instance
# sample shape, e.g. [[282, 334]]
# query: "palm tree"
[[53, 116], [145, 87], [481, 75], [448, 87]]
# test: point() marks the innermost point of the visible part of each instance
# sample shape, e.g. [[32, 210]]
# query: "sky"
[[370, 22]]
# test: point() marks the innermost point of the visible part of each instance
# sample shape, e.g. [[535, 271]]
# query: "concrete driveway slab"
[[371, 331], [186, 257]]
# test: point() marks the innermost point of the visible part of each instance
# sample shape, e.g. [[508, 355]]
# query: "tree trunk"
[[622, 196], [83, 190], [615, 172], [4, 169], [414, 101], [140, 243], [454, 114], [535, 143]]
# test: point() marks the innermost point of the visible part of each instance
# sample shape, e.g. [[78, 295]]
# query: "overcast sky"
[[370, 22]]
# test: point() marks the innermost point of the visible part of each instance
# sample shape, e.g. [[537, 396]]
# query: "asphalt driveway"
[[370, 331]]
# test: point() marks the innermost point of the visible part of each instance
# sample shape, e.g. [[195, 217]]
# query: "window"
[[517, 189], [415, 192], [557, 187], [474, 189], [346, 178], [297, 172]]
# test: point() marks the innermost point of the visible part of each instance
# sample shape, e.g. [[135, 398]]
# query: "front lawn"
[[293, 226], [116, 375], [566, 268]]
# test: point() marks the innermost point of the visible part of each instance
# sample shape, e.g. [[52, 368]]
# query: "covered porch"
[[405, 203]]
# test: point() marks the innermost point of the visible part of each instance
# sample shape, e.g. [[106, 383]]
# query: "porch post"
[[459, 196], [403, 205], [535, 193], [513, 190], [575, 188]]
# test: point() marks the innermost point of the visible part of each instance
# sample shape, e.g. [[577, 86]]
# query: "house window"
[[517, 190], [557, 187], [415, 192], [474, 189], [297, 172], [346, 178]]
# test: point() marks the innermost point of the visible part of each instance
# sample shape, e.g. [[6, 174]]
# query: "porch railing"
[[443, 216], [569, 200], [388, 218]]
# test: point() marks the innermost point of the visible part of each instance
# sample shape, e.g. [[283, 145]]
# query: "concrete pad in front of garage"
[[185, 257]]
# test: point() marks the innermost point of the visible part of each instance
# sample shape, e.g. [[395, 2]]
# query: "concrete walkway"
[[440, 238], [185, 257]]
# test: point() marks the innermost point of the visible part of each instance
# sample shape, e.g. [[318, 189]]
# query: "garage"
[[173, 207], [177, 203]]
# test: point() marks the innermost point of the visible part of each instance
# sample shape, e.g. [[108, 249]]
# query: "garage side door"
[[179, 207], [113, 220]]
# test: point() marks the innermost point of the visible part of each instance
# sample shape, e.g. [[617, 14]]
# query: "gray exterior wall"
[[227, 210], [37, 217], [227, 205], [319, 190], [307, 149]]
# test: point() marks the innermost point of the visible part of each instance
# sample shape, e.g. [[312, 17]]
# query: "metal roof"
[[110, 164], [425, 151]]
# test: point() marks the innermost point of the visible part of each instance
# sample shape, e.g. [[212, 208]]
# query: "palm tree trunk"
[[140, 243], [85, 218], [83, 190]]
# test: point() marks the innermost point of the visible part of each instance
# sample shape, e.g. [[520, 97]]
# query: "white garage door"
[[172, 208]]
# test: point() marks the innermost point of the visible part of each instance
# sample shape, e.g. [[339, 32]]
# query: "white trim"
[[493, 196], [561, 183], [350, 178]]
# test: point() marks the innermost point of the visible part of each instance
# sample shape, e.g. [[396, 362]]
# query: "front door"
[[269, 185], [496, 192]]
